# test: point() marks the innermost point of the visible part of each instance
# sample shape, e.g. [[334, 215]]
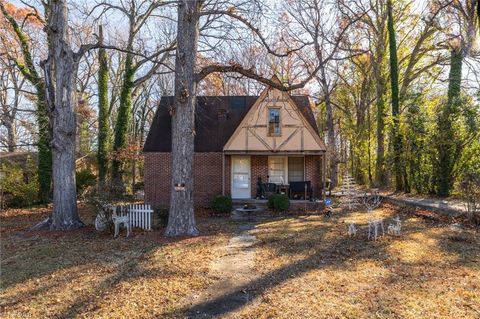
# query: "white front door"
[[241, 177]]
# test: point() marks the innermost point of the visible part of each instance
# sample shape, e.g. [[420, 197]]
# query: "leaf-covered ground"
[[310, 268], [305, 267], [85, 274]]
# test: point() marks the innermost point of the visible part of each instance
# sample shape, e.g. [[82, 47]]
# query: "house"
[[239, 139]]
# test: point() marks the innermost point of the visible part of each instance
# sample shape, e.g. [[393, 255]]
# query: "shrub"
[[161, 215], [470, 188], [221, 204], [19, 185], [139, 186], [279, 202], [85, 178]]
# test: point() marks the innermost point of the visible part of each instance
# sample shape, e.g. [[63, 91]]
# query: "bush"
[[85, 178], [161, 215], [470, 188], [139, 186], [19, 185], [279, 202], [221, 204]]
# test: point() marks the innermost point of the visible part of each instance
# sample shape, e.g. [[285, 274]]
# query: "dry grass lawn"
[[305, 267], [85, 274], [310, 268]]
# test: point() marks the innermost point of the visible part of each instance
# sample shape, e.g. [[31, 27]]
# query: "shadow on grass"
[[334, 254]]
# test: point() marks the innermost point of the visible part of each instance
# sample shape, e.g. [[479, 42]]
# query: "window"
[[273, 122], [276, 170], [295, 169]]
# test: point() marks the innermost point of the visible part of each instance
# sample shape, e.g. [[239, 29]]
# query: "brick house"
[[238, 139]]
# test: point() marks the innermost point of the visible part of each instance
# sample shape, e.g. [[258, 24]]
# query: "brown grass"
[[86, 274], [310, 268], [306, 267]]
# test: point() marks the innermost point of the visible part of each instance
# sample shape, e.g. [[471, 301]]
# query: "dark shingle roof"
[[212, 133]]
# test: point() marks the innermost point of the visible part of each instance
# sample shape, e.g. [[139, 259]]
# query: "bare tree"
[[181, 215]]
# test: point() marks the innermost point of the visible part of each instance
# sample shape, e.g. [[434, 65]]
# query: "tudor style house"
[[240, 140]]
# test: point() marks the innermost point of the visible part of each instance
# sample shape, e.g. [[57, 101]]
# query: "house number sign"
[[179, 187]]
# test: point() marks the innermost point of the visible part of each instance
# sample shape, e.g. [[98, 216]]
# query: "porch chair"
[[297, 190], [270, 189]]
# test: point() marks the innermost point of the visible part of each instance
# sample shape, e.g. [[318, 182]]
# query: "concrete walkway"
[[452, 207], [235, 268]]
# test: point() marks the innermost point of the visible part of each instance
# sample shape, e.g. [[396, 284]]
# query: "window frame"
[[279, 109]]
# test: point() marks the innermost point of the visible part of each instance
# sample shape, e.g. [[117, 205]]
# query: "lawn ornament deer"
[[119, 220], [372, 201], [352, 230], [374, 226], [395, 229]]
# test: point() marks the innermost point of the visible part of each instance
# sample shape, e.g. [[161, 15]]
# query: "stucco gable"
[[297, 134]]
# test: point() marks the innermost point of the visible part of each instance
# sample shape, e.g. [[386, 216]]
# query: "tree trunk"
[[380, 175], [446, 147], [332, 147], [123, 123], [62, 63], [181, 219], [103, 126], [396, 134]]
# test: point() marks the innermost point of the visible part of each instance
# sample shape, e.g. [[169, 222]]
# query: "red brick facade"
[[208, 176]]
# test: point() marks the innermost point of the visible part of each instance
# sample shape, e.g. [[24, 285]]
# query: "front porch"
[[249, 176]]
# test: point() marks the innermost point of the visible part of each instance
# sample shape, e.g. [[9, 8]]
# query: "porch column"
[[223, 174], [324, 172]]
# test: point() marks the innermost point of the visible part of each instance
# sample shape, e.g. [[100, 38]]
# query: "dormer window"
[[274, 122]]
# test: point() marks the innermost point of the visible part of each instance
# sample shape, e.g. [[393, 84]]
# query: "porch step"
[[239, 203]]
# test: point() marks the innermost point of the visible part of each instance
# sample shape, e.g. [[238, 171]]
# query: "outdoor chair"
[[297, 190], [270, 189]]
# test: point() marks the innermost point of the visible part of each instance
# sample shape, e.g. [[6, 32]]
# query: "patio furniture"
[[283, 189], [299, 189], [270, 189]]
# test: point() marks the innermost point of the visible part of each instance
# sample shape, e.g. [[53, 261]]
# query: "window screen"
[[276, 169], [295, 169]]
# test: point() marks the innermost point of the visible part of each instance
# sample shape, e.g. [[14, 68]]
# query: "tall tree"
[[137, 14], [103, 125], [449, 143], [60, 70], [181, 215], [396, 133], [26, 65]]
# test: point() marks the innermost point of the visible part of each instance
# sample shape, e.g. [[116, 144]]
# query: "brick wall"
[[259, 168], [207, 174], [313, 173]]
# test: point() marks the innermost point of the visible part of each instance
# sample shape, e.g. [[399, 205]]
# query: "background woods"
[[395, 86]]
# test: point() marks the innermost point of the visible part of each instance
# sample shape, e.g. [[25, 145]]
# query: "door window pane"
[[295, 169], [240, 180]]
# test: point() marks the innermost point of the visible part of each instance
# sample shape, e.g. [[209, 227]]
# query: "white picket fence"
[[139, 215]]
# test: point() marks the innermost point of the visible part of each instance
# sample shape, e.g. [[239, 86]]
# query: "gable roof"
[[216, 119]]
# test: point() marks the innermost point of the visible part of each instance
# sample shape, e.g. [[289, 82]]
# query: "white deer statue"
[[119, 220], [395, 229], [352, 230], [374, 226]]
